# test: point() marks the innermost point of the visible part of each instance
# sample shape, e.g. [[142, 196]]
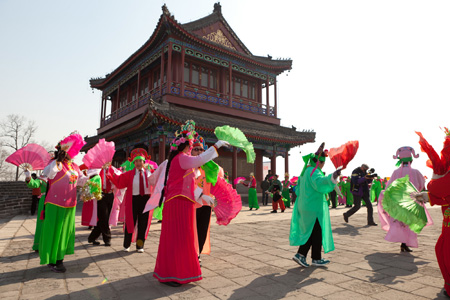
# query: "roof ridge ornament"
[[165, 10], [217, 8]]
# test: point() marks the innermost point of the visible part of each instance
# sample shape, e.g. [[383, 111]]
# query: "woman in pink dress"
[[177, 261], [398, 232]]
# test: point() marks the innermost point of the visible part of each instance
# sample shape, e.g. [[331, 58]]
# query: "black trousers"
[[203, 218], [314, 242], [34, 203], [104, 207], [142, 221], [357, 205], [265, 198], [332, 195]]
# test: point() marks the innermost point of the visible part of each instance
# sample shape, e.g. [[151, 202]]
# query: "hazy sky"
[[373, 71]]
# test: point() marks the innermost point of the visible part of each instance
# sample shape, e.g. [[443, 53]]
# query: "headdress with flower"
[[186, 134], [138, 153], [71, 144], [199, 141], [312, 158]]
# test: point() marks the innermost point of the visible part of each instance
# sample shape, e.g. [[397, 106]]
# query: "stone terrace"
[[251, 258]]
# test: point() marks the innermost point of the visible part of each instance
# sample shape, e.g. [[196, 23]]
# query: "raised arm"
[[189, 162]]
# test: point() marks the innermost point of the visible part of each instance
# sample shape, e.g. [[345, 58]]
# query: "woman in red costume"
[[177, 261], [439, 194]]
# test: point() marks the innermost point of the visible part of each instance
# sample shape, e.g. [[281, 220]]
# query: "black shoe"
[[159, 221], [172, 283], [273, 212], [108, 244], [251, 208], [372, 224], [282, 210], [37, 251], [404, 248], [345, 218], [95, 243], [57, 268]]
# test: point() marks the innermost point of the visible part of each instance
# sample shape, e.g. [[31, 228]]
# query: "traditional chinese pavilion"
[[202, 71]]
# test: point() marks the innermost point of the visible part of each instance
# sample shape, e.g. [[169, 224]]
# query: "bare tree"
[[15, 133]]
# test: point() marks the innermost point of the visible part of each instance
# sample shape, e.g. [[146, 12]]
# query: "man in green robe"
[[310, 224]]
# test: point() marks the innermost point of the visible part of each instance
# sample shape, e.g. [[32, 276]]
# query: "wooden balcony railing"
[[194, 93]]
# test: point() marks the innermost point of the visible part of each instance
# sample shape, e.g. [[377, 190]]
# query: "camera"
[[371, 173]]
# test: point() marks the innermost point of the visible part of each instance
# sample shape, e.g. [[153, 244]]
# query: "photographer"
[[360, 190]]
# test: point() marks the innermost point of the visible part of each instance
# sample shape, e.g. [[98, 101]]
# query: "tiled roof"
[[206, 122]]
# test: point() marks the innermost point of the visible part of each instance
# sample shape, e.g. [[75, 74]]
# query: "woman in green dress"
[[285, 192], [34, 182]]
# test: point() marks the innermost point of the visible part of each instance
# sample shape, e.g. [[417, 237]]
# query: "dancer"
[[347, 192], [341, 197], [203, 213], [310, 223], [397, 231], [177, 261], [285, 192], [104, 207], [136, 197], [58, 226], [252, 197], [360, 190], [277, 199], [37, 183], [439, 194], [375, 189]]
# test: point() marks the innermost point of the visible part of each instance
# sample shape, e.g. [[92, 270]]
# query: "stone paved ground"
[[251, 259]]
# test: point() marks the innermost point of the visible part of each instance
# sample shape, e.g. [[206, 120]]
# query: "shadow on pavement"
[[74, 269], [138, 287], [347, 229], [293, 280], [401, 264]]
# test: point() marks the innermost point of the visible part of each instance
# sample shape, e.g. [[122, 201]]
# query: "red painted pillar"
[[118, 97], [259, 167], [138, 86], [234, 165], [273, 161], [286, 162], [161, 76], [102, 112], [150, 150], [182, 71], [169, 68], [275, 97], [162, 148], [267, 97], [230, 87]]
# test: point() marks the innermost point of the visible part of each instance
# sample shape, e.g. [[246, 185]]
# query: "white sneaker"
[[126, 249], [140, 250]]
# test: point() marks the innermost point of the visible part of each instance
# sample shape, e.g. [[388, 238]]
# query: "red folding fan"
[[342, 155]]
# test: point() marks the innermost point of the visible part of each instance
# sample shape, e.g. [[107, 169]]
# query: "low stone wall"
[[15, 198]]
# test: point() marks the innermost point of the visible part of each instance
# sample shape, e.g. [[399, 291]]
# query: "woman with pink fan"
[[177, 261], [138, 190], [97, 158], [58, 227]]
